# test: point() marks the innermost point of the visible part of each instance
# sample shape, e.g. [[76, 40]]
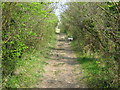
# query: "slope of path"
[[62, 70]]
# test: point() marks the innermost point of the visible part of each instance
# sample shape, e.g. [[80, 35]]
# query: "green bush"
[[26, 29], [95, 29]]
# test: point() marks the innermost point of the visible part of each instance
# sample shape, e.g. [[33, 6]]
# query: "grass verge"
[[30, 67], [98, 72]]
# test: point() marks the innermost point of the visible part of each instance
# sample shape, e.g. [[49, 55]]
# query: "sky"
[[59, 8]]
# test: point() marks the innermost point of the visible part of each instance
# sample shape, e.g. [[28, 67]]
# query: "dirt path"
[[62, 70]]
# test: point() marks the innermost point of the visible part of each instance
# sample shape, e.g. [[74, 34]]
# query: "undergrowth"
[[99, 72], [30, 67]]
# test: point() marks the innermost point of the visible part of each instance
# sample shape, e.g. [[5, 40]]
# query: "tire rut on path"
[[62, 70]]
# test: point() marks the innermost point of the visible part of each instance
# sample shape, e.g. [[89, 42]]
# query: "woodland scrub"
[[96, 32], [26, 28]]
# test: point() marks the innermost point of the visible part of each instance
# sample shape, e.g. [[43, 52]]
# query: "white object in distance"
[[70, 38], [57, 30]]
